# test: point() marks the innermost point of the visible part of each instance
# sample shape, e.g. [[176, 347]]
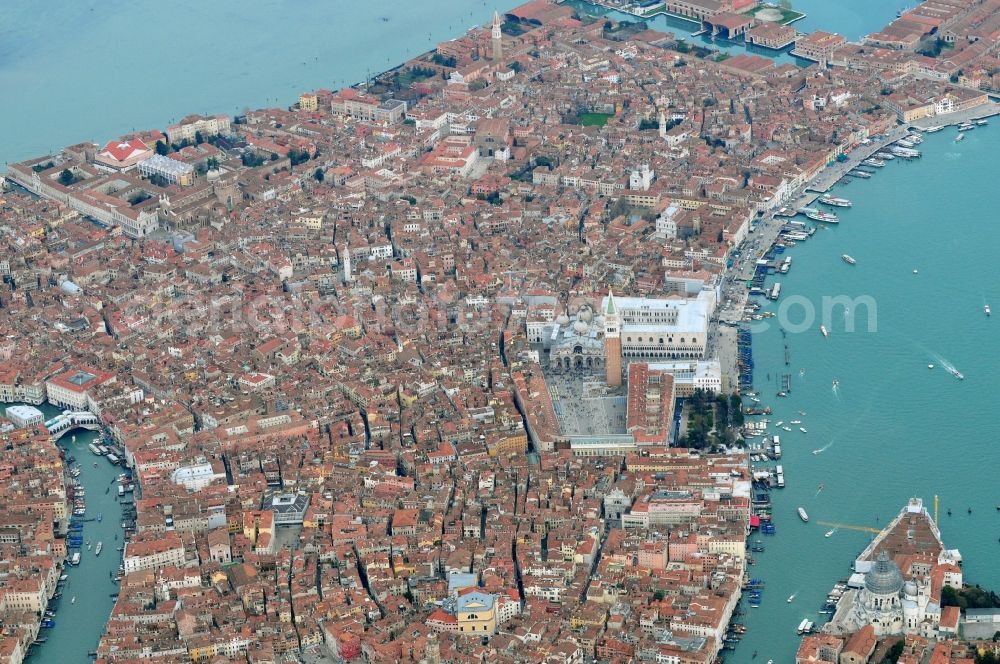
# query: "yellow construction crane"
[[847, 526]]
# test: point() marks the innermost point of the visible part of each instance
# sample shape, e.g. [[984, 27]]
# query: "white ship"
[[819, 215], [848, 259], [803, 515], [97, 549], [986, 310], [822, 328], [834, 201]]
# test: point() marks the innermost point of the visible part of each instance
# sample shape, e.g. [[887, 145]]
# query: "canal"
[[82, 611]]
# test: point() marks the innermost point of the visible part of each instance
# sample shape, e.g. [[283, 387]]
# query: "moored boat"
[[835, 201], [819, 215]]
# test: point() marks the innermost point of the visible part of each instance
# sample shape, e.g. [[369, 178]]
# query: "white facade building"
[[24, 416], [664, 328], [196, 476]]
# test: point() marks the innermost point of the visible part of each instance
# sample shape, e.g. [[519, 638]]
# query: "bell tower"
[[612, 342], [497, 35]]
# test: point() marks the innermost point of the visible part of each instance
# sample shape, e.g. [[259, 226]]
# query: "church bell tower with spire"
[[497, 38], [612, 342]]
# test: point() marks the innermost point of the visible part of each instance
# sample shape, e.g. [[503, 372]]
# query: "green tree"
[[318, 174], [274, 156], [162, 148], [66, 178], [198, 138], [895, 652]]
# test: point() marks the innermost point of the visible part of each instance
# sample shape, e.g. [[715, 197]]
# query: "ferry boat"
[[803, 515], [885, 156], [935, 128], [819, 215], [874, 163], [956, 373], [822, 329], [960, 137], [97, 550], [906, 143], [864, 175], [833, 200], [75, 560], [848, 259], [986, 310], [981, 122], [93, 448], [966, 126]]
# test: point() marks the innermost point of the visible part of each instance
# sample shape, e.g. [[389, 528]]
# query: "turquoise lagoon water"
[[72, 71], [893, 428]]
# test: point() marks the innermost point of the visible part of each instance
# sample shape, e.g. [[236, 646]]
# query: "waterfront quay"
[[893, 228], [735, 293]]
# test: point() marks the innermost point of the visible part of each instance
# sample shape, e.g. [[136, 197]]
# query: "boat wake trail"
[[823, 449], [946, 365]]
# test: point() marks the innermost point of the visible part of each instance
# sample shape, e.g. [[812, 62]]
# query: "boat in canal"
[[97, 549], [803, 515]]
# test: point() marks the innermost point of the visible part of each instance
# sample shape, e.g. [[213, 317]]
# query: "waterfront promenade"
[[927, 214], [734, 292]]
